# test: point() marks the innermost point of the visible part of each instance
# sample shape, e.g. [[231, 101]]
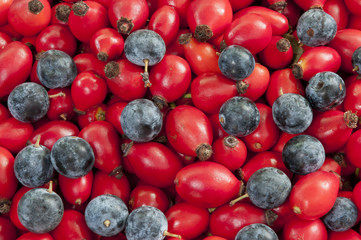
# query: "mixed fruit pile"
[[180, 119]]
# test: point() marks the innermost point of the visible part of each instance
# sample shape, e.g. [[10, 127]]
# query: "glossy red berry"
[[127, 16], [316, 60], [107, 44], [153, 163], [278, 54], [266, 134], [88, 62], [113, 114], [4, 40], [105, 142], [227, 220], [189, 131], [170, 79], [117, 185], [35, 236], [145, 195], [206, 184], [15, 65], [297, 228], [337, 9], [52, 131], [96, 113], [333, 128], [76, 191], [60, 13], [312, 189], [124, 80], [56, 37], [180, 5], [354, 6], [7, 229], [86, 18], [210, 90], [88, 90], [251, 31], [165, 22], [14, 134], [352, 148], [4, 9], [29, 17], [206, 21], [352, 101], [229, 151], [307, 4], [60, 104], [187, 220]]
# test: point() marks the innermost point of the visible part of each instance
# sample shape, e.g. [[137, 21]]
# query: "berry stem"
[[145, 75], [60, 94], [50, 189], [37, 143], [231, 203], [168, 234]]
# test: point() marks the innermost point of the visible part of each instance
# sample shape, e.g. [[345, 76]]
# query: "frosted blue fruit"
[[256, 231], [72, 157], [141, 120], [146, 223], [40, 211], [28, 102], [106, 215], [56, 69], [316, 28]]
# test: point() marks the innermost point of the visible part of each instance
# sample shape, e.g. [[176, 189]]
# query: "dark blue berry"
[[268, 187], [56, 69], [356, 60], [342, 216], [325, 91], [236, 62], [106, 215], [141, 120], [40, 210], [33, 167], [72, 157], [239, 116], [315, 27], [147, 223], [292, 113], [144, 44], [303, 154], [28, 102], [256, 231]]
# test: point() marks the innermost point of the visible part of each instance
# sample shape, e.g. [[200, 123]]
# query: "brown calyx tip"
[[111, 70], [102, 56], [271, 217], [283, 45], [117, 172], [242, 87], [160, 102], [185, 38], [100, 114], [278, 6], [203, 33], [62, 13], [204, 151], [230, 141], [340, 159], [239, 174], [125, 25], [35, 6], [297, 71], [80, 8], [125, 147], [351, 119], [4, 205]]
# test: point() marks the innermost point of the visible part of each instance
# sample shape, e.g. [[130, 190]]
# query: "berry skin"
[[40, 210], [72, 157], [256, 231], [236, 62], [141, 120], [28, 102], [239, 116], [33, 167], [325, 91], [356, 60], [316, 28], [303, 154], [268, 188], [146, 223], [56, 69], [342, 216], [292, 113], [106, 215]]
